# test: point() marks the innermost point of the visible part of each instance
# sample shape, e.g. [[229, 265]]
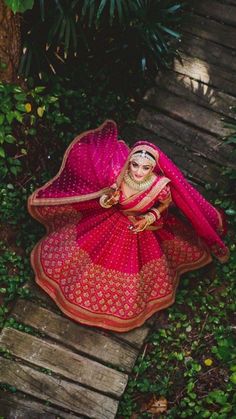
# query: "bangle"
[[150, 218], [156, 213], [103, 201]]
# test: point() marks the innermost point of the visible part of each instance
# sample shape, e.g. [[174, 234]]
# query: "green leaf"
[[18, 116], [2, 117], [39, 89], [2, 152], [20, 107], [19, 5], [10, 116], [169, 31], [10, 139], [233, 378], [21, 97], [100, 9], [217, 396]]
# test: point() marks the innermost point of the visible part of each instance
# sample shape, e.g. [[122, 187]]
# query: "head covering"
[[96, 159]]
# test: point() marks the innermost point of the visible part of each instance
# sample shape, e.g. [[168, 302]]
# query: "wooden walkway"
[[66, 370], [182, 113]]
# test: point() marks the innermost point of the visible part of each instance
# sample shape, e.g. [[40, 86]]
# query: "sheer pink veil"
[[95, 160], [90, 165], [205, 218]]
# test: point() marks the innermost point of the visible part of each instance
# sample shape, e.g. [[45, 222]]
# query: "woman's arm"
[[154, 214], [108, 200]]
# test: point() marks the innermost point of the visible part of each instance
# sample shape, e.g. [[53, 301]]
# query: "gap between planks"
[[84, 340], [59, 392]]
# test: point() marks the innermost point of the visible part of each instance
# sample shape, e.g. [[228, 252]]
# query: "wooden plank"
[[83, 339], [197, 92], [208, 51], [218, 11], [187, 111], [135, 337], [230, 2], [64, 362], [211, 75], [57, 391], [199, 143], [38, 294], [197, 169], [21, 406], [211, 30]]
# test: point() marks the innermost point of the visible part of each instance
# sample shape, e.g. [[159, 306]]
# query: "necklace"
[[139, 186]]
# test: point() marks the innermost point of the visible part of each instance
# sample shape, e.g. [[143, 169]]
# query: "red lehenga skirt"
[[102, 274]]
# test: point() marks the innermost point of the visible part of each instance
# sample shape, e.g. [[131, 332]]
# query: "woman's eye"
[[146, 168], [134, 164]]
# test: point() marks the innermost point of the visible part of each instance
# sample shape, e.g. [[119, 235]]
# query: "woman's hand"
[[113, 198], [138, 225], [143, 222]]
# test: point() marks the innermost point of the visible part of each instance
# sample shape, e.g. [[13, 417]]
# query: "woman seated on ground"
[[114, 250]]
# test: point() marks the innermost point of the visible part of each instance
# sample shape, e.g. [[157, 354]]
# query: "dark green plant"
[[116, 36]]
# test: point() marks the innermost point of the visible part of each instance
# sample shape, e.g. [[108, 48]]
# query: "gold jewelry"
[[103, 201], [156, 212], [143, 154], [139, 186], [150, 218]]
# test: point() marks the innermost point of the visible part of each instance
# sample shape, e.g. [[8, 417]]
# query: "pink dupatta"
[[96, 159]]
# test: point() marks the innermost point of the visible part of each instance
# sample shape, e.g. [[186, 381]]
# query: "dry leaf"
[[155, 405]]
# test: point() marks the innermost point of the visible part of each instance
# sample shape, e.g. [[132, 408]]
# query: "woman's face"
[[140, 168]]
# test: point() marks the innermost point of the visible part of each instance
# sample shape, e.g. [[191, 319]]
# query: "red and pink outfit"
[[91, 264]]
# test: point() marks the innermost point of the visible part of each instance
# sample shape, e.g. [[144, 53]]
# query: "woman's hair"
[[145, 154]]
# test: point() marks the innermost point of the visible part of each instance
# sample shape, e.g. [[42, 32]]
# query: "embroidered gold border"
[[32, 200], [104, 320]]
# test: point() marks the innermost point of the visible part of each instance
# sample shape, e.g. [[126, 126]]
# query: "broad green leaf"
[[19, 5], [21, 97], [2, 117], [233, 378], [20, 107], [39, 89], [18, 116], [2, 152], [10, 116], [10, 139]]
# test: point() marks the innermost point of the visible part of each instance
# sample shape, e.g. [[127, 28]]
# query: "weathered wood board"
[[211, 30], [196, 168], [210, 75], [208, 51], [21, 406], [197, 92], [200, 144], [45, 354], [57, 391], [221, 12], [187, 111], [82, 339]]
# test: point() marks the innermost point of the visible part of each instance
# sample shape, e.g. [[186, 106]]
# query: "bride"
[[122, 226]]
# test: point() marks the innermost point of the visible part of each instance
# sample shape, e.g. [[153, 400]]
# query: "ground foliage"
[[187, 365], [35, 128]]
